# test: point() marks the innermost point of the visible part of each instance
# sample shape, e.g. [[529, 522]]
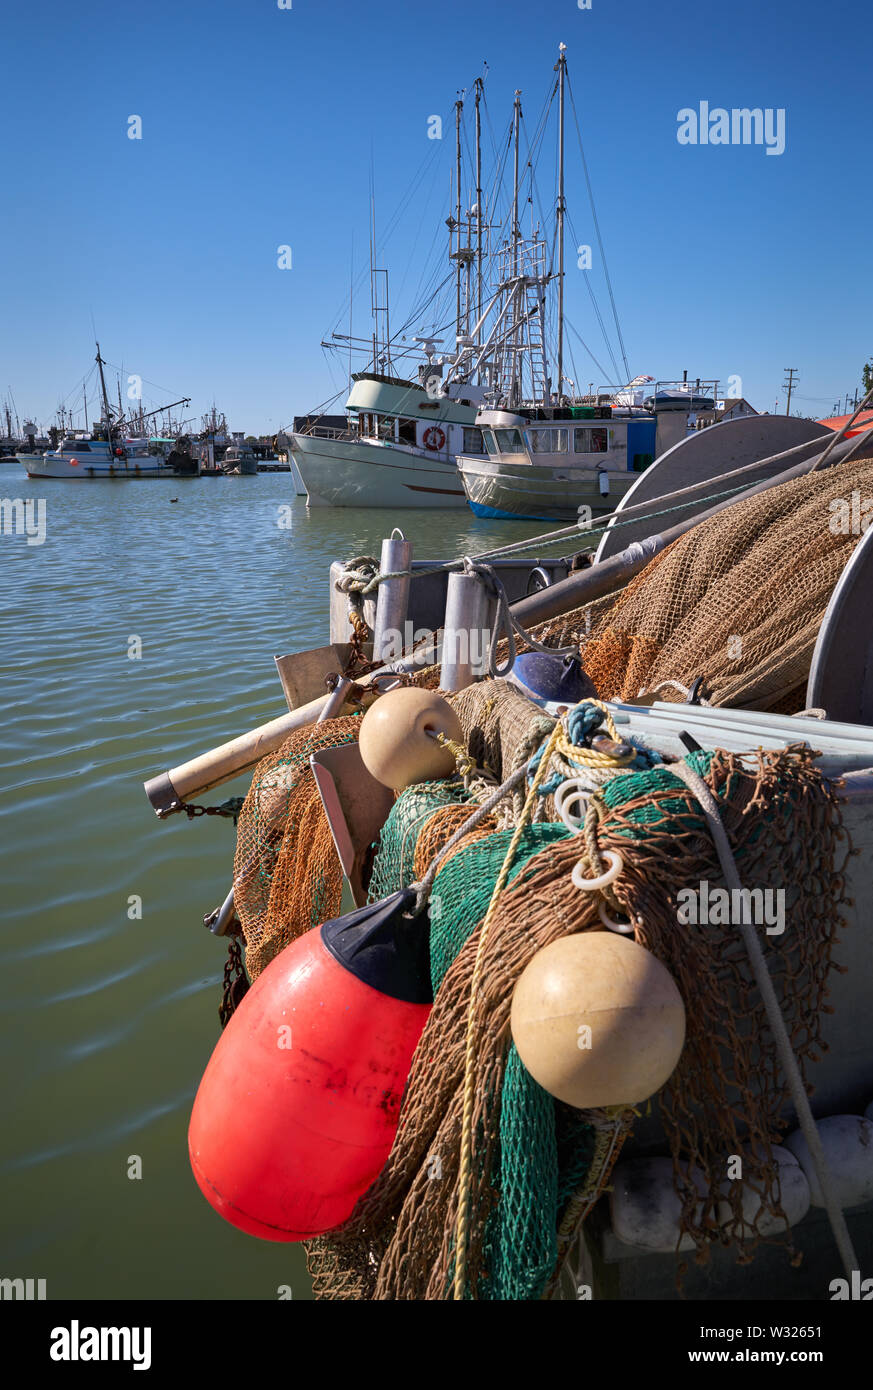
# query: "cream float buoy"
[[398, 737], [597, 1020]]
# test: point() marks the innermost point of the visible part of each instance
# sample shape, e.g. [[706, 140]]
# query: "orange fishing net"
[[287, 877], [738, 600]]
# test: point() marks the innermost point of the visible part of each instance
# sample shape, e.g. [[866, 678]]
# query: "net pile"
[[739, 600], [287, 877], [538, 1166], [728, 1095], [533, 1158]]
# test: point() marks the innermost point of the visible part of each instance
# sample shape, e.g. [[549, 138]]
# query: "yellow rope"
[[590, 757], [463, 1218], [464, 763]]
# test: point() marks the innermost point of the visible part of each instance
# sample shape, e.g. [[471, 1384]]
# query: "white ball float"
[[794, 1197], [645, 1207], [847, 1141]]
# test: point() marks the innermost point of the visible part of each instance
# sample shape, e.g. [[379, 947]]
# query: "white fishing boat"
[[545, 465], [399, 451], [106, 451], [93, 456]]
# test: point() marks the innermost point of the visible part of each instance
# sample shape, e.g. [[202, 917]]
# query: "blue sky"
[[259, 128]]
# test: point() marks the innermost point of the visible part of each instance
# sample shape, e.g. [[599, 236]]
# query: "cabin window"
[[590, 441], [473, 441], [406, 431], [509, 441], [553, 441], [386, 428], [490, 441]]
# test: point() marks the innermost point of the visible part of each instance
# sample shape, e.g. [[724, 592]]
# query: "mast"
[[517, 312], [85, 403], [479, 85], [459, 106], [562, 68], [516, 117], [106, 411]]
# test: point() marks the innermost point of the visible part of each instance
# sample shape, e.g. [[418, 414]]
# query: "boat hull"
[[52, 466], [352, 473], [525, 492]]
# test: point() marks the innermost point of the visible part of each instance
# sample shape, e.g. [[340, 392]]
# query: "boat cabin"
[[605, 439]]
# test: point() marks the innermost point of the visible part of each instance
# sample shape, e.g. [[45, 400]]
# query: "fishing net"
[[739, 600], [287, 877], [531, 1155], [538, 1166], [728, 1095]]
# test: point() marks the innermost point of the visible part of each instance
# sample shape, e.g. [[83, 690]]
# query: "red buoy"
[[297, 1109]]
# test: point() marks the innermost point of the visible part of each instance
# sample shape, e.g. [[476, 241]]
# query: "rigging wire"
[[597, 229]]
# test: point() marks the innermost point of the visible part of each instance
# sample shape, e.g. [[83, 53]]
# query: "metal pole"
[[393, 600], [469, 620]]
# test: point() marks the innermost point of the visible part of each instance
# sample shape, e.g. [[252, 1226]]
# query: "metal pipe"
[[469, 620], [393, 600]]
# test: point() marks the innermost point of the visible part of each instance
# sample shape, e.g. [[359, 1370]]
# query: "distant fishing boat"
[[98, 456], [240, 459], [107, 451]]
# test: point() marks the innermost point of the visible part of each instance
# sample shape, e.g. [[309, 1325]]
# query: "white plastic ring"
[[625, 928], [570, 791], [591, 885]]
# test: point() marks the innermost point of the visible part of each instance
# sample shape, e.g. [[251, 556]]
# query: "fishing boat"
[[240, 460], [100, 454], [108, 451], [399, 450], [541, 463]]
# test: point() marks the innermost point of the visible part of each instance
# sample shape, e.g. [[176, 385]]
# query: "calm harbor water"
[[107, 1022]]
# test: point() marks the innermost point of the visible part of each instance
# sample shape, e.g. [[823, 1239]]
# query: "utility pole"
[[789, 386]]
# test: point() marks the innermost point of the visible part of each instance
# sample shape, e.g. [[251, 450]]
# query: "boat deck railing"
[[326, 432]]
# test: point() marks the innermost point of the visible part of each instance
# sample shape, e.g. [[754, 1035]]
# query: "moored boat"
[[399, 451]]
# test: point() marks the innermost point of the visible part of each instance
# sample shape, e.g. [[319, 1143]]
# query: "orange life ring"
[[434, 438]]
